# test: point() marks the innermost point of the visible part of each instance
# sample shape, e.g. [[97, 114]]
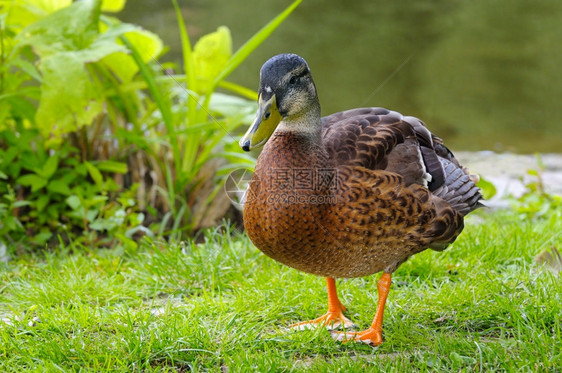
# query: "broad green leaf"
[[230, 106], [41, 238], [42, 202], [58, 186], [532, 172], [488, 189], [19, 15], [31, 161], [102, 224], [97, 200], [11, 154], [48, 6], [34, 181], [102, 46], [74, 202], [91, 215], [95, 174], [3, 175], [149, 46], [111, 166], [127, 242], [20, 106], [71, 28], [20, 203], [66, 41], [210, 55], [68, 97], [113, 6], [50, 167], [24, 12]]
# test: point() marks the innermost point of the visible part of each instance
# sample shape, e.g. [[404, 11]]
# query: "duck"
[[348, 195]]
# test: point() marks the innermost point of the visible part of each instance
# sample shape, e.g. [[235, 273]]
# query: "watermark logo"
[[237, 187], [303, 179], [311, 186]]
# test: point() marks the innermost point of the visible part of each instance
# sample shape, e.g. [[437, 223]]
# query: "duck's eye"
[[293, 80]]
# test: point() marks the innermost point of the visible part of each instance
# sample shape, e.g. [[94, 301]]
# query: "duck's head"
[[287, 93]]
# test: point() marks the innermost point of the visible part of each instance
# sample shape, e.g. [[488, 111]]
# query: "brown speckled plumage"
[[351, 194], [376, 212]]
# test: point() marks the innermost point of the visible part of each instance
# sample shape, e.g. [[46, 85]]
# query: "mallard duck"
[[347, 195]]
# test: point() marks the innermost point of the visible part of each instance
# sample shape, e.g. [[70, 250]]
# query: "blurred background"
[[481, 74]]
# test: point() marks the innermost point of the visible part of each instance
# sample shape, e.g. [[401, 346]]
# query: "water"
[[481, 74]]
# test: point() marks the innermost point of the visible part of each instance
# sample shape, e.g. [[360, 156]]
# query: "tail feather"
[[459, 189]]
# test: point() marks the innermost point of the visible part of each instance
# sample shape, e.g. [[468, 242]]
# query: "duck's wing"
[[380, 139]]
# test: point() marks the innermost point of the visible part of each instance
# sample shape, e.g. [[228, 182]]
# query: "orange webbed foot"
[[372, 335], [334, 318], [331, 320], [369, 336]]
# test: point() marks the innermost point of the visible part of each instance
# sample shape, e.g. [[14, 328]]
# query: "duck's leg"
[[373, 335], [334, 318]]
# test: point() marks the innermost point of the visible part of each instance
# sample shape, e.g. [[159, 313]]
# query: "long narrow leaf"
[[236, 155], [191, 143], [238, 89], [23, 92], [228, 168], [191, 80], [244, 51], [163, 104]]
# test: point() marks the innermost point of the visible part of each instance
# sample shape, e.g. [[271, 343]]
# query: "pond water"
[[482, 74]]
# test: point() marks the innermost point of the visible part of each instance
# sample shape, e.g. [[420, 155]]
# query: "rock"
[[509, 172]]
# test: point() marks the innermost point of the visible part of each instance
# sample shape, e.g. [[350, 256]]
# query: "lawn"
[[482, 305]]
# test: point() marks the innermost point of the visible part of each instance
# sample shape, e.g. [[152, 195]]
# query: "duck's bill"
[[264, 125]]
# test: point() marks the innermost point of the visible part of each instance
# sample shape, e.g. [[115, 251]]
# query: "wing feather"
[[380, 139]]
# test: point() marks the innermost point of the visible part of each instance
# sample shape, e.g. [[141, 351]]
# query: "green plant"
[[88, 115], [56, 193], [536, 202], [199, 123], [61, 47], [57, 107]]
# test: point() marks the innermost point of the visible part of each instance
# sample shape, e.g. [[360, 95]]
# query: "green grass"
[[482, 305]]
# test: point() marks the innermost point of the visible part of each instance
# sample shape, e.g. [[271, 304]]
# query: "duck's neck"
[[307, 124], [287, 151], [297, 142]]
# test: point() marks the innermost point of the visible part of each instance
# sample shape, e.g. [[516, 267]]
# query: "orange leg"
[[373, 335], [334, 318]]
